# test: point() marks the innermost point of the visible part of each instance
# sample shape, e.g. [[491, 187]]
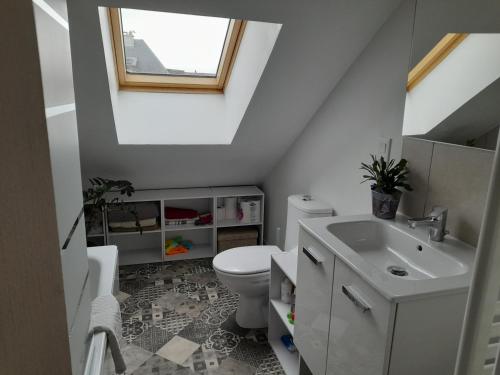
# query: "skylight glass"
[[172, 44]]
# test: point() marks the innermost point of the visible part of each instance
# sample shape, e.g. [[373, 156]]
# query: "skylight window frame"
[[175, 83], [432, 59]]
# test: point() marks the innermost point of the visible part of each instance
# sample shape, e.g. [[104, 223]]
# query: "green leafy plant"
[[386, 176], [95, 200]]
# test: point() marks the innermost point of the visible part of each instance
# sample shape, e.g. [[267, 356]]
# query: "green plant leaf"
[[388, 175]]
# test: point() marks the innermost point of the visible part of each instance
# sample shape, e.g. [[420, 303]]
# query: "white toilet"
[[246, 270]]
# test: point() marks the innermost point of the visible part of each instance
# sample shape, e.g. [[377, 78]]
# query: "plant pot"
[[385, 205]]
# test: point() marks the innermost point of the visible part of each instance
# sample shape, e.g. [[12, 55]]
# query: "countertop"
[[400, 289]]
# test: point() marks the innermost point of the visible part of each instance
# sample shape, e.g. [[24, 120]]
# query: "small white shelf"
[[144, 232], [131, 245], [174, 228], [282, 309], [235, 223], [236, 191], [139, 256], [283, 265], [156, 195], [196, 252], [289, 361], [287, 262]]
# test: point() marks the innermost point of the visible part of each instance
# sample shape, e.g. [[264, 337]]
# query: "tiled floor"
[[179, 319]]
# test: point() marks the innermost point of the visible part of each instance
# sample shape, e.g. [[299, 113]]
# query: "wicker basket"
[[236, 237]]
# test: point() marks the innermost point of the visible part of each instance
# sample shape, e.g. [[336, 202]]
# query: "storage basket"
[[229, 238]]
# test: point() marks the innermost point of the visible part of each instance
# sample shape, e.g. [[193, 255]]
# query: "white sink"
[[398, 261], [395, 252]]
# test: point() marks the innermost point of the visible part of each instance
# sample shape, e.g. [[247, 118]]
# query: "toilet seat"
[[246, 260]]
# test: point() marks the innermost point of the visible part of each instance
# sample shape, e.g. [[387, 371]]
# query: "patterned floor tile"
[[170, 299], [232, 366], [185, 299], [222, 342], [203, 361], [203, 279], [191, 307], [251, 352], [131, 286], [197, 331], [121, 296], [153, 339], [133, 356], [185, 287], [178, 350], [173, 322], [226, 301], [270, 365], [230, 325], [132, 328], [157, 365], [214, 316]]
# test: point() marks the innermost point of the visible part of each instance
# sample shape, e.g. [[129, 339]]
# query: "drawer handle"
[[313, 255], [355, 298]]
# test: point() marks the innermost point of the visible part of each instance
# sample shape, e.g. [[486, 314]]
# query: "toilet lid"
[[245, 260]]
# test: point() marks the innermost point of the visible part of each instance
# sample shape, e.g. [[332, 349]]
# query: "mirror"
[[451, 122], [453, 92]]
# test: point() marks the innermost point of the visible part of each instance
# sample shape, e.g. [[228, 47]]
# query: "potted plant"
[[94, 199], [387, 177]]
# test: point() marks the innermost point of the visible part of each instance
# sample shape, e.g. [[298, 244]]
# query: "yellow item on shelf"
[[177, 245], [177, 250]]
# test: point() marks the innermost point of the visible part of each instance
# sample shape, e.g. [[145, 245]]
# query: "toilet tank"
[[302, 206]]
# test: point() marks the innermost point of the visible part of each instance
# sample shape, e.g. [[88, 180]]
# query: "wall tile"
[[459, 180], [419, 156]]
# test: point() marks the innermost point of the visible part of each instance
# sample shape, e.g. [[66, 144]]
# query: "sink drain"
[[397, 271]]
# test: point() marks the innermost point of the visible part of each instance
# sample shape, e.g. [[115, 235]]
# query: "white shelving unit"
[[282, 265], [148, 247]]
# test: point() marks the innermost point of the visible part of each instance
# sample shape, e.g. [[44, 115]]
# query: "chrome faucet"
[[436, 221]]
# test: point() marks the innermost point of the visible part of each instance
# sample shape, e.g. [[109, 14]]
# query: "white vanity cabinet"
[[344, 326], [313, 302], [360, 326]]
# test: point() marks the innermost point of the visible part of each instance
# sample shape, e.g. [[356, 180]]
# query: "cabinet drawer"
[[313, 302], [360, 329]]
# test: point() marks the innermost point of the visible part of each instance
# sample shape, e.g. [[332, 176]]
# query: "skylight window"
[[159, 51]]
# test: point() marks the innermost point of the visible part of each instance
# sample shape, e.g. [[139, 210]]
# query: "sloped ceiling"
[[318, 42], [478, 116]]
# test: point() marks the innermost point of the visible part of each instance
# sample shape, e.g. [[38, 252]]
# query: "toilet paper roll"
[[231, 211]]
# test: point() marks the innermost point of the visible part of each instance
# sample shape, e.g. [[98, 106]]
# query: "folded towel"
[[106, 317], [180, 213], [144, 210], [180, 221], [133, 224]]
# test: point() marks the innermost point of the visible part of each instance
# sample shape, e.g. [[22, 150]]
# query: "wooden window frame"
[[171, 83], [440, 51]]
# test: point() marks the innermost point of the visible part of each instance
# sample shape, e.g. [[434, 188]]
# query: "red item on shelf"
[[205, 219], [180, 213]]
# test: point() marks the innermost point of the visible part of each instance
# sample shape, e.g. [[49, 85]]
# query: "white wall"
[[366, 104], [315, 47], [191, 119], [465, 72]]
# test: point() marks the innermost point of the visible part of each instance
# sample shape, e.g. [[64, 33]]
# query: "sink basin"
[[395, 252], [398, 261]]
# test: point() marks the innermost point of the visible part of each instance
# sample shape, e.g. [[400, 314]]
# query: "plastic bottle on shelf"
[[286, 291]]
